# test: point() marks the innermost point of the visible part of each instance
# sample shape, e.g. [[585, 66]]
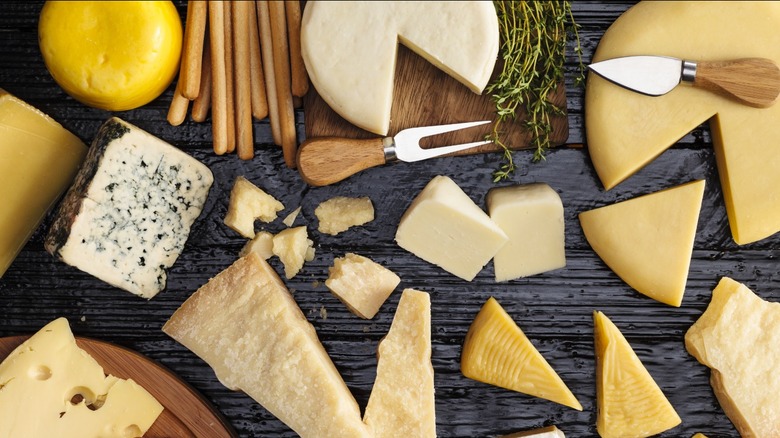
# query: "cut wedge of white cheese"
[[247, 204], [361, 284], [350, 48], [648, 241]]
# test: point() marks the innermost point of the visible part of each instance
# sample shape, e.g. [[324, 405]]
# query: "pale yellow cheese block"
[[247, 204], [361, 284], [648, 241], [293, 247], [626, 130], [245, 324], [39, 379], [630, 403], [738, 337], [341, 213], [402, 402], [38, 161]]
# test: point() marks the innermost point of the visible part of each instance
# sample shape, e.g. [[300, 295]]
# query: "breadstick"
[[299, 79], [229, 78], [243, 101], [218, 82], [202, 103], [257, 78], [266, 45], [178, 109], [282, 75], [192, 51]]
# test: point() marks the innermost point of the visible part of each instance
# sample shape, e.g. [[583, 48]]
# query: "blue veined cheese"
[[128, 214]]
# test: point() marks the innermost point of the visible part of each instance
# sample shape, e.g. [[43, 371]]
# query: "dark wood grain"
[[554, 309]]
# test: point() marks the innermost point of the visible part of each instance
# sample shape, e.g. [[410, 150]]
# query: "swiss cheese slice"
[[349, 49], [648, 241], [402, 403], [626, 130], [630, 403], [49, 387], [245, 324], [738, 337], [496, 351]]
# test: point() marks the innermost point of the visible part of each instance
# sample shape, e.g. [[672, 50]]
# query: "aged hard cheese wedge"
[[630, 403], [546, 432], [532, 216], [38, 161], [262, 244], [445, 227], [497, 352], [339, 214], [738, 337], [402, 401], [293, 247], [245, 324], [648, 241], [49, 387], [349, 49], [128, 214], [626, 130], [248, 203], [360, 283]]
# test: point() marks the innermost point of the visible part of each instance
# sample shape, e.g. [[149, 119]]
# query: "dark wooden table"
[[554, 309]]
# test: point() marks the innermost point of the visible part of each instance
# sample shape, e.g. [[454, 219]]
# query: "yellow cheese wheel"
[[111, 55]]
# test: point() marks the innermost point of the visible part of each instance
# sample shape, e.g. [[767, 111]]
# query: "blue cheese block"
[[128, 214]]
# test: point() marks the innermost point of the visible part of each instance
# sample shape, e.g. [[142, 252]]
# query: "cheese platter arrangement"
[[602, 282]]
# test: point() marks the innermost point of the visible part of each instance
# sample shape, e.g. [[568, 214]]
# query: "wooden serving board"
[[186, 415], [424, 96]]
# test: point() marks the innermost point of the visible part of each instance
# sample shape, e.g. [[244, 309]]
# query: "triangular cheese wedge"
[[245, 324], [630, 403], [648, 241], [402, 401], [497, 352]]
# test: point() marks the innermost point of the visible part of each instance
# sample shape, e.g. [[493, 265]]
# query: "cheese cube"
[[293, 247], [40, 378], [127, 216], [532, 216], [445, 227], [262, 244], [248, 203], [360, 283], [341, 213]]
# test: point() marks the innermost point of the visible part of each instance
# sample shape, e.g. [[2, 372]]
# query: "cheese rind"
[[340, 213], [445, 227], [738, 338], [246, 325], [39, 379], [248, 203], [128, 214], [349, 49], [361, 284], [648, 241], [402, 402], [531, 215]]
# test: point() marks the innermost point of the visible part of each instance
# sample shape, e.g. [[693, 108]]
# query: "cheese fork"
[[326, 160]]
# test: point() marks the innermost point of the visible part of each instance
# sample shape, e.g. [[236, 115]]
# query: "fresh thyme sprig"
[[533, 37]]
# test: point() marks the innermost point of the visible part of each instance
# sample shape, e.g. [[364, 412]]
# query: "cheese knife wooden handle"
[[327, 160], [752, 81]]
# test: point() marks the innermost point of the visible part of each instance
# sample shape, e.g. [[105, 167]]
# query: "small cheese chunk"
[[128, 214], [360, 283], [293, 247], [545, 432], [402, 402], [497, 352], [648, 241], [445, 227], [340, 213], [532, 216], [41, 379], [262, 244], [246, 325], [738, 338], [290, 219], [630, 403], [38, 161], [248, 203]]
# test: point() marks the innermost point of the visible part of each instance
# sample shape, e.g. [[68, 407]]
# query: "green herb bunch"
[[533, 36]]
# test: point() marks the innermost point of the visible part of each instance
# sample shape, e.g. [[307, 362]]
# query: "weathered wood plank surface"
[[554, 309]]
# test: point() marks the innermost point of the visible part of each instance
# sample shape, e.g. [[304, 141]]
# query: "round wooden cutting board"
[[186, 413]]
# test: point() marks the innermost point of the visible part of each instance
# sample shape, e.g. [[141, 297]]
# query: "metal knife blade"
[[650, 75]]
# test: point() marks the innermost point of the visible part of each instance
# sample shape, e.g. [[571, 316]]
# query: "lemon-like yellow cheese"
[[648, 241], [111, 55], [630, 403], [626, 130]]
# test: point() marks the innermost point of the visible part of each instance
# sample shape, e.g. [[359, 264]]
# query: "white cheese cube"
[[293, 247], [340, 213], [248, 203], [361, 284]]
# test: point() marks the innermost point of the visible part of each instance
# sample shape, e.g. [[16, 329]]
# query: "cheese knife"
[[750, 81]]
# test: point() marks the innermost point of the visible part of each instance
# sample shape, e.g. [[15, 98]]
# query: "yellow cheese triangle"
[[630, 403], [402, 401], [648, 241], [497, 352]]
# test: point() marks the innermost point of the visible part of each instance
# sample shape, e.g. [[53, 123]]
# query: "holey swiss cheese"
[[627, 130]]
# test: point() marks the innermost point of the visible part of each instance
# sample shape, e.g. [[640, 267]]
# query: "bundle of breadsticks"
[[248, 65]]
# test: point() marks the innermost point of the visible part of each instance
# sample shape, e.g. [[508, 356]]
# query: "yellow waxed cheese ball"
[[111, 55]]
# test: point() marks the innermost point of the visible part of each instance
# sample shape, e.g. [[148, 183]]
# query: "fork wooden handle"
[[326, 160], [752, 81]]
